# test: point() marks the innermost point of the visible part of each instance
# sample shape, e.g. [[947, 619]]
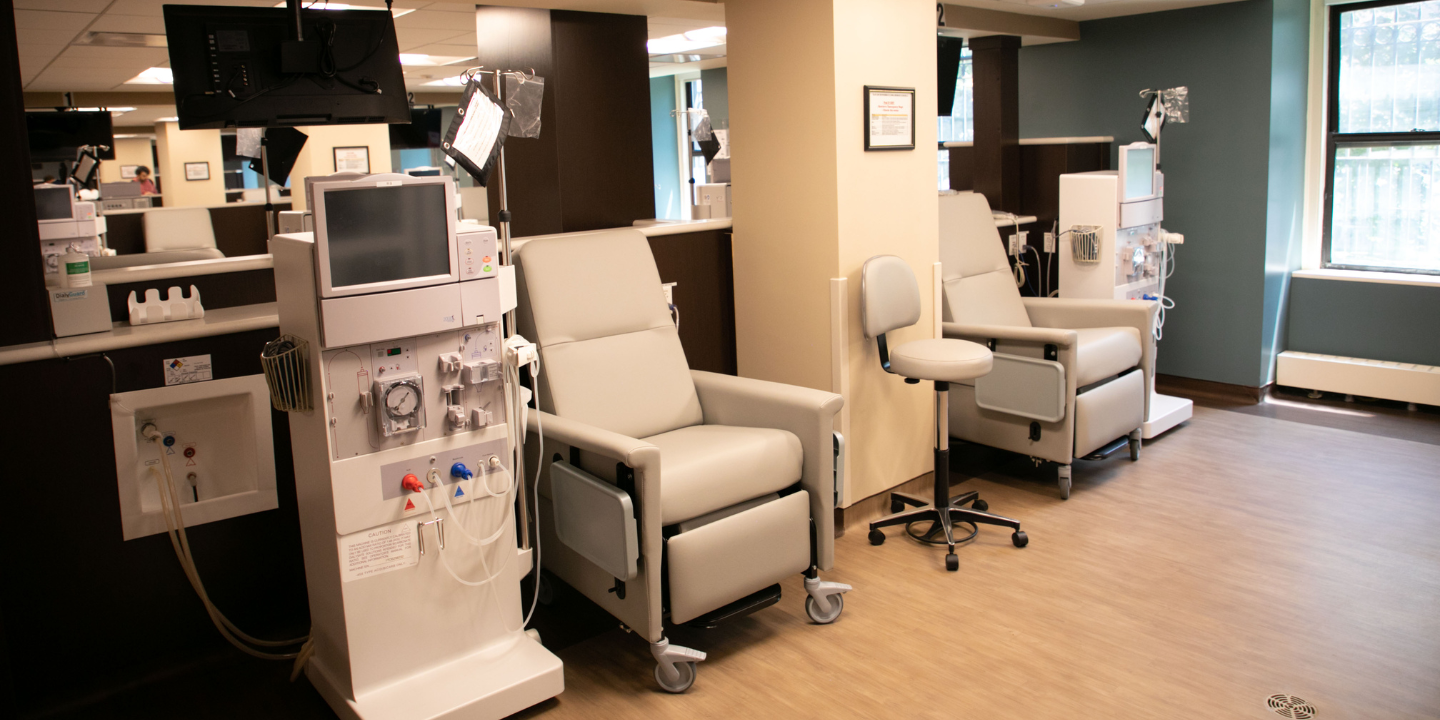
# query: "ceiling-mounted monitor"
[[59, 135], [244, 67]]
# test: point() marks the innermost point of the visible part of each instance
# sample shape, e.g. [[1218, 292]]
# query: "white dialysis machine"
[[66, 225], [1112, 247], [405, 457]]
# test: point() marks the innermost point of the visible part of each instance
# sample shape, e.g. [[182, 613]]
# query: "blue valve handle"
[[458, 470]]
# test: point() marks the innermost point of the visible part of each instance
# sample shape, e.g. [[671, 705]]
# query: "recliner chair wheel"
[[877, 537], [1134, 449], [981, 505], [687, 677], [1020, 538], [837, 606], [952, 562]]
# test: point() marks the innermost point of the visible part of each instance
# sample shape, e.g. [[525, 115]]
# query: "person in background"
[[49, 179], [142, 176]]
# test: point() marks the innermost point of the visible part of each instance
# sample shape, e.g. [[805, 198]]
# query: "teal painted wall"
[[665, 152], [1375, 321], [1229, 172]]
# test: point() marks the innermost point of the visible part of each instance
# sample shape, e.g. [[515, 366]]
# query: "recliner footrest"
[[753, 602]]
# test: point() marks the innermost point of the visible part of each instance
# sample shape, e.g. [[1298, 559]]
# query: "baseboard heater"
[[1405, 382]]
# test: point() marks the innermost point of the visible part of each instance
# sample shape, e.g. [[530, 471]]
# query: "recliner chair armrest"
[[806, 412], [589, 438], [1038, 335], [1092, 313]]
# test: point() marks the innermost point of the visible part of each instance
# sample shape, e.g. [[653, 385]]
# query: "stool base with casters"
[[955, 510]]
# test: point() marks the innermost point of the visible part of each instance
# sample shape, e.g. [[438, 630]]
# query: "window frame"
[[1334, 139]]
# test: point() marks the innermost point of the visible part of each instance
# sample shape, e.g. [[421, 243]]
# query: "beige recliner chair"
[[667, 494], [1071, 376]]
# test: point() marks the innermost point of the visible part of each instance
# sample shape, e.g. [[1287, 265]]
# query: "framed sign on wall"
[[197, 171], [889, 118], [127, 172], [352, 159]]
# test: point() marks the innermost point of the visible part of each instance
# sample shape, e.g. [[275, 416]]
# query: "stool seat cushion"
[[940, 359]]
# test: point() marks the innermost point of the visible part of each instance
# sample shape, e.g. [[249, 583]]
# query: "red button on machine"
[[411, 483]]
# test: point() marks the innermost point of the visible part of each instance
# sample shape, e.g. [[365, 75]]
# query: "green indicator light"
[[392, 352]]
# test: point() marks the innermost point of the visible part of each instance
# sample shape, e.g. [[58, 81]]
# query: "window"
[[1382, 208], [959, 125]]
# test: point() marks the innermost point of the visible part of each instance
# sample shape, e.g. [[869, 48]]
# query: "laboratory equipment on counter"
[[66, 226], [404, 466], [1112, 247]]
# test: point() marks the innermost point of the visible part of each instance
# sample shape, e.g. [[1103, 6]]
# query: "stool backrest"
[[889, 295]]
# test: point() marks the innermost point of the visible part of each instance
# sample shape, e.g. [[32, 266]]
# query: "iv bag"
[[700, 128], [1176, 102], [523, 96]]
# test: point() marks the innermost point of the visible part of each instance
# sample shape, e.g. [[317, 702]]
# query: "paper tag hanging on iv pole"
[[478, 131]]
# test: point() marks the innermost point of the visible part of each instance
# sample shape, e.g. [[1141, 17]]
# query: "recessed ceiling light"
[[323, 5], [153, 76], [119, 39], [431, 60], [168, 119], [687, 41]]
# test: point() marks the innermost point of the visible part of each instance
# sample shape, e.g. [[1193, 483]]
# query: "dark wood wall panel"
[[22, 284], [520, 39], [602, 81], [703, 269], [119, 612], [997, 119]]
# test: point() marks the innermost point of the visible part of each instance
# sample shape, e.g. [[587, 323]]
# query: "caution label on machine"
[[378, 550]]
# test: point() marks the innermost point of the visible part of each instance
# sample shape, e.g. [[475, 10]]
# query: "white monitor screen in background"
[[54, 202], [1139, 172], [387, 234]]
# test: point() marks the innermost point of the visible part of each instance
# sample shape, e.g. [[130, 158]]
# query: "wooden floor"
[[1243, 556]]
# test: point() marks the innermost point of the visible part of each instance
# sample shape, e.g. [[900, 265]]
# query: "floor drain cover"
[[1289, 706]]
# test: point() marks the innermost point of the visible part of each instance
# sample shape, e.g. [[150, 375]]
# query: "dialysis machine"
[[1112, 247], [66, 225], [405, 459]]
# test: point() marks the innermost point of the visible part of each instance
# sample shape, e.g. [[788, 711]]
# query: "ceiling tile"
[[47, 37], [110, 22], [410, 37], [140, 58], [27, 20], [436, 20], [449, 49], [88, 6], [150, 8]]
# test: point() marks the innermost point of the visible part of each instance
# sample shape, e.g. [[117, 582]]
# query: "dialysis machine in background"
[[404, 465], [66, 226], [1112, 247]]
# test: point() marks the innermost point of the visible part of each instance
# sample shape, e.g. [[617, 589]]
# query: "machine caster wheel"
[[952, 562], [981, 505], [1019, 538], [877, 537], [1135, 446], [1064, 475], [683, 683], [837, 606], [545, 589]]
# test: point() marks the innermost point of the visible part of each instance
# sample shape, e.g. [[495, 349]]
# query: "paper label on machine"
[[195, 368], [378, 550]]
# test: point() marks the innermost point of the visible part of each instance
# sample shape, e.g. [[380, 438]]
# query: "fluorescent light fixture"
[[114, 111], [168, 119], [119, 39], [1056, 3], [153, 76], [323, 5], [687, 41], [457, 81], [419, 59]]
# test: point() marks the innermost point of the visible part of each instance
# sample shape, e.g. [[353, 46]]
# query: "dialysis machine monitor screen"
[[377, 234], [54, 203], [1137, 172]]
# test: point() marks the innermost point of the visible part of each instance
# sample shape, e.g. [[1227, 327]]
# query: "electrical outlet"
[[669, 292], [1049, 242], [1015, 244]]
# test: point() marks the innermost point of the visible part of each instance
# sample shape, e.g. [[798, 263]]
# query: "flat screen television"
[[242, 67], [424, 131], [58, 135]]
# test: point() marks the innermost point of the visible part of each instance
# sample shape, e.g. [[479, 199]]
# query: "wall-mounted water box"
[[216, 435]]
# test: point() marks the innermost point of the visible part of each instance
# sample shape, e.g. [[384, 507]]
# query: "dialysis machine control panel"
[[1111, 243]]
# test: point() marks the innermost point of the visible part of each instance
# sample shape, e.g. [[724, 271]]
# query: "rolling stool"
[[889, 300]]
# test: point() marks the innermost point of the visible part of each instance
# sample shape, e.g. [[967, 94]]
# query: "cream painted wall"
[[887, 206], [782, 96], [175, 147], [128, 151], [811, 205], [318, 155]]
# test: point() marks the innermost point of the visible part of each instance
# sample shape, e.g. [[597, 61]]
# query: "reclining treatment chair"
[[890, 300], [1071, 377], [671, 494]]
